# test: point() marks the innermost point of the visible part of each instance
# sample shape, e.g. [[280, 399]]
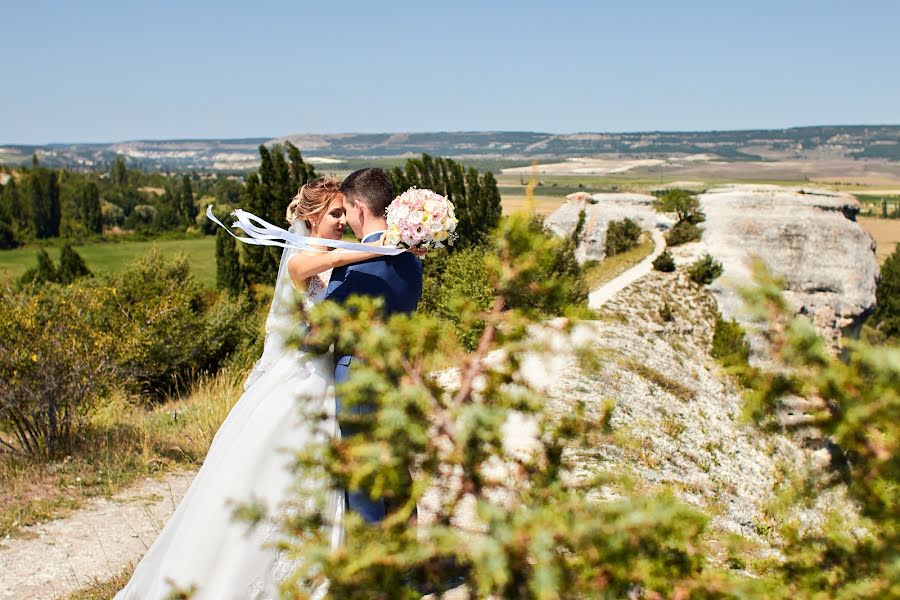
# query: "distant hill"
[[869, 141]]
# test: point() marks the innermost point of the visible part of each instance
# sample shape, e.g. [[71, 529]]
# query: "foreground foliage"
[[856, 404], [537, 530], [149, 329]]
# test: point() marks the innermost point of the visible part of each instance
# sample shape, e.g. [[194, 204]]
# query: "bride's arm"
[[306, 264]]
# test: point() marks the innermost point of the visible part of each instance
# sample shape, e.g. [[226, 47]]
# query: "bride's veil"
[[282, 319]]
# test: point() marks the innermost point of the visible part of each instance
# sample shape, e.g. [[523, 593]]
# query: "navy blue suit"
[[398, 280]]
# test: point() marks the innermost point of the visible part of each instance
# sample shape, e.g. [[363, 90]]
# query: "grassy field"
[[886, 233], [104, 258]]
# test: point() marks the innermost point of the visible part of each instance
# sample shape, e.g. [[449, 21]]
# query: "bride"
[[202, 548]]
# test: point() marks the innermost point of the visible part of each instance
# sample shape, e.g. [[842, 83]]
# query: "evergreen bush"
[[621, 236], [705, 270], [71, 266], [682, 233], [886, 317], [665, 262]]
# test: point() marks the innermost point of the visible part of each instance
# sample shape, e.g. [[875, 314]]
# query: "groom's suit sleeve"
[[359, 281]]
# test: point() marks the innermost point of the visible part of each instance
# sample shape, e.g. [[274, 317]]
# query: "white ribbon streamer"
[[263, 233]]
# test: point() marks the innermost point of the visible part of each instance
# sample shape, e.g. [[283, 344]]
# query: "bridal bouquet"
[[421, 219]]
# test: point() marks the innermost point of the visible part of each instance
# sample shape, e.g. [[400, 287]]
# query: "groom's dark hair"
[[372, 187]]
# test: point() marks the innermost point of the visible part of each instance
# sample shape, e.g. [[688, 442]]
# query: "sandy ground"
[[543, 205], [585, 166], [886, 233], [97, 541]]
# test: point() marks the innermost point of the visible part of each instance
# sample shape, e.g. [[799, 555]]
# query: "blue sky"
[[117, 70]]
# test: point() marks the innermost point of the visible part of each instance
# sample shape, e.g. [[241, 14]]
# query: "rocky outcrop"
[[807, 236], [599, 210]]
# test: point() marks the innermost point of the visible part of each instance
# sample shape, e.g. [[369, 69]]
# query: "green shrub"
[[682, 203], [464, 288], [552, 281], [705, 270], [44, 272], [621, 236], [579, 226], [463, 283], [52, 364], [664, 262], [729, 344], [71, 266], [886, 317], [682, 233], [168, 328]]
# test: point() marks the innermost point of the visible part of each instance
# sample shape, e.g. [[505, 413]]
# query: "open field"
[[104, 258], [886, 233], [542, 205]]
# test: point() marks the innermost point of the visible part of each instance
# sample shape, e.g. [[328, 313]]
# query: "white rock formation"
[[807, 236], [599, 210]]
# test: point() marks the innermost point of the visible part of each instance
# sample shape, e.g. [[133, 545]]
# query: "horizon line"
[[266, 139]]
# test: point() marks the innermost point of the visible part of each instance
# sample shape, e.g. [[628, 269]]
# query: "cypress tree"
[[54, 207], [414, 173], [457, 183], [188, 209], [71, 266], [7, 236], [119, 173], [428, 172], [88, 205], [282, 191], [301, 172], [16, 213], [398, 179], [491, 209], [469, 227], [228, 266], [40, 209], [261, 265]]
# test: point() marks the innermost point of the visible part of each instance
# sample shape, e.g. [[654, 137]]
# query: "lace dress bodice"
[[318, 287]]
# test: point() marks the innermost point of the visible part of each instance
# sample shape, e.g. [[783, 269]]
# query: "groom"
[[395, 279]]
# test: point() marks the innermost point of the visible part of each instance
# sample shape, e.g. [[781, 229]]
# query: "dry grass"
[[611, 267], [542, 205], [105, 589], [642, 370], [885, 232], [121, 443]]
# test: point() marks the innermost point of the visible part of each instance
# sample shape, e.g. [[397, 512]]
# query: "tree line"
[[281, 173], [38, 203]]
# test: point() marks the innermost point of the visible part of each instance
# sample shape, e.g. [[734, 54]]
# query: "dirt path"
[[605, 292], [98, 541]]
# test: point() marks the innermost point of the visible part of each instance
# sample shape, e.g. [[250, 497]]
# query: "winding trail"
[[99, 540], [605, 292]]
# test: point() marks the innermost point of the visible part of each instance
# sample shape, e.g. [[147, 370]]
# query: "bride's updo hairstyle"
[[313, 198]]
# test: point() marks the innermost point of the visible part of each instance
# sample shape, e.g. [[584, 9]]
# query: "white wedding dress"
[[249, 460]]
